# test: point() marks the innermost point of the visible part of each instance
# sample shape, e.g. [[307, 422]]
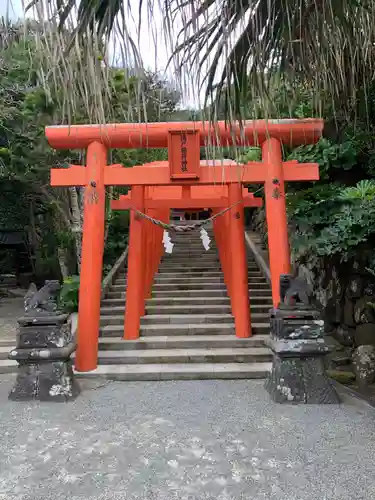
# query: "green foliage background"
[[333, 218], [27, 202]]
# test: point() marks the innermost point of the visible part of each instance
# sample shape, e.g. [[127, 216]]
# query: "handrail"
[[258, 258], [112, 275]]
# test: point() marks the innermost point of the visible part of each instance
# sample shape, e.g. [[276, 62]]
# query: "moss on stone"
[[343, 377]]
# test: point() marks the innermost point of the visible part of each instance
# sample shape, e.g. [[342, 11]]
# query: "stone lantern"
[[43, 349], [298, 347]]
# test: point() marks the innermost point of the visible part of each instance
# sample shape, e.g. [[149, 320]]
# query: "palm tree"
[[240, 48]]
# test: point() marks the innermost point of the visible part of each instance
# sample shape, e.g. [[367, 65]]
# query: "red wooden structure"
[[188, 175]]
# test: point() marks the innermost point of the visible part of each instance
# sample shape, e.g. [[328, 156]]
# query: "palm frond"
[[233, 51]]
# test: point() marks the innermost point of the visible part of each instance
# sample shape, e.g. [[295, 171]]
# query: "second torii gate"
[[146, 246], [184, 168]]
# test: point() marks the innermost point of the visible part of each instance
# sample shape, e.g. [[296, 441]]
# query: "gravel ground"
[[195, 440]]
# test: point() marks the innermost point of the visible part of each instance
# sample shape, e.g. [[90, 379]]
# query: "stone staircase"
[[188, 329]]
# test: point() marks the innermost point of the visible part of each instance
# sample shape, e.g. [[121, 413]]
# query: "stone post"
[[298, 347], [43, 349]]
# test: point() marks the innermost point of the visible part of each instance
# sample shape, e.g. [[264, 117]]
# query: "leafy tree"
[[53, 216]]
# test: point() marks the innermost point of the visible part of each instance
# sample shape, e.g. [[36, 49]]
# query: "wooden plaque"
[[184, 154]]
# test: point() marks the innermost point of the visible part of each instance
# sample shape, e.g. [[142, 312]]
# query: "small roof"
[[12, 238]]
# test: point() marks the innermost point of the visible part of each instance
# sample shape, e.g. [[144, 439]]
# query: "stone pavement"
[[193, 440], [10, 310]]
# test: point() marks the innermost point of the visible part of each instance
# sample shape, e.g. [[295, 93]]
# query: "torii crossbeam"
[[176, 197], [184, 168]]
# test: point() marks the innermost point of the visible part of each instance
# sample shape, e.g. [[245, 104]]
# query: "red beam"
[[125, 204], [72, 176], [160, 176], [155, 135]]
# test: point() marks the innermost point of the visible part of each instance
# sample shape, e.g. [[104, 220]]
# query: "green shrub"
[[68, 300]]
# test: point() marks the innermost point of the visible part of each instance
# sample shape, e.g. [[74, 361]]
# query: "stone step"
[[199, 275], [178, 286], [8, 366], [165, 301], [162, 278], [199, 261], [201, 302], [192, 355], [180, 342], [190, 292], [182, 251], [205, 274], [198, 250], [5, 349], [173, 309], [183, 371], [199, 309], [184, 329], [206, 285], [184, 308], [163, 319], [166, 319], [194, 274], [192, 239], [188, 266], [207, 257], [178, 280], [187, 248], [193, 268]]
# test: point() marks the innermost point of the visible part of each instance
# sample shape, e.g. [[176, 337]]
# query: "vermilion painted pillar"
[[278, 244], [135, 294], [220, 237], [92, 259], [239, 276], [157, 238], [151, 251], [147, 254], [227, 250], [147, 228]]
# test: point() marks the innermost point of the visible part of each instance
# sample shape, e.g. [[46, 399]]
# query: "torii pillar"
[[278, 241], [92, 257]]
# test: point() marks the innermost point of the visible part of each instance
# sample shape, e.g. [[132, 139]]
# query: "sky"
[[14, 9], [154, 59], [151, 43]]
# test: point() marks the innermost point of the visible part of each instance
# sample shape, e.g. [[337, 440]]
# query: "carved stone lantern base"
[[298, 375], [43, 350], [298, 347], [45, 381]]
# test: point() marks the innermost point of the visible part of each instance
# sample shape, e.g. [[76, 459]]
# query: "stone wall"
[[345, 293]]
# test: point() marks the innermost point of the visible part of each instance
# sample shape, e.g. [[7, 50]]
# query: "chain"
[[189, 227]]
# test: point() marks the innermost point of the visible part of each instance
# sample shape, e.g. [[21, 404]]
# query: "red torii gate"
[[184, 168], [157, 203]]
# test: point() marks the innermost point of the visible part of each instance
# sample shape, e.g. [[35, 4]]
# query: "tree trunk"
[[33, 236], [63, 259], [76, 223], [109, 211]]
